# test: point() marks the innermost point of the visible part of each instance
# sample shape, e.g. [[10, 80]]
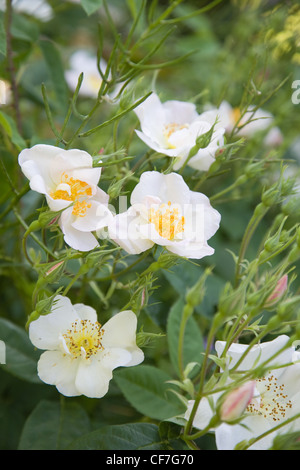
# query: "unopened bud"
[[237, 401], [270, 197], [278, 291]]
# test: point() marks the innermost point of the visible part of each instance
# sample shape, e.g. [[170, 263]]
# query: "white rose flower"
[[259, 120], [171, 128], [83, 61], [164, 211], [276, 397], [80, 354], [69, 182]]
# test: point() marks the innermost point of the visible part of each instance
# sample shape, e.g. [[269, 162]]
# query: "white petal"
[[96, 217], [258, 354], [158, 143], [228, 436], [180, 112], [82, 241], [60, 370], [120, 332], [35, 163], [44, 332], [191, 250], [151, 115], [203, 415], [124, 230], [170, 187], [85, 312], [92, 380], [204, 213]]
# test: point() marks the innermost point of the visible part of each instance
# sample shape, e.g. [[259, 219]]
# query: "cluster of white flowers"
[[262, 406], [80, 354]]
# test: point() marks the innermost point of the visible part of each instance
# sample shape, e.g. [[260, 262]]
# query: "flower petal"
[[120, 332], [44, 332], [60, 370], [82, 241]]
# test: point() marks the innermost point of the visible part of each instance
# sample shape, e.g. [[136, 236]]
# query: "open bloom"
[[249, 124], [276, 397], [80, 354], [171, 128], [69, 182], [83, 61], [165, 212]]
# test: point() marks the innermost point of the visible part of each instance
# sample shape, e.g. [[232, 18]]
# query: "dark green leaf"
[[147, 390], [132, 436], [52, 426], [21, 357]]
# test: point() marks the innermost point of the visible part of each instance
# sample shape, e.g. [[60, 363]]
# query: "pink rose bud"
[[53, 268], [278, 292], [237, 401]]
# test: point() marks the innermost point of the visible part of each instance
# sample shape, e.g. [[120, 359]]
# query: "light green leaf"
[[193, 341], [132, 436], [52, 426], [147, 390], [21, 357], [90, 6]]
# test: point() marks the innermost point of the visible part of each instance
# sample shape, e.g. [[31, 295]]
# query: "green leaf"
[[52, 426], [132, 436], [90, 6], [21, 357], [24, 28], [147, 390], [193, 342], [185, 275], [9, 127], [56, 72]]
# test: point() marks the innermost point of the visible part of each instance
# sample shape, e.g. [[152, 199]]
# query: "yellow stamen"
[[236, 115], [170, 128], [84, 339], [76, 190], [166, 220], [274, 402]]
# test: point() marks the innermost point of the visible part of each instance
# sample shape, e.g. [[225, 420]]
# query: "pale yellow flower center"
[[169, 129], [83, 339], [167, 220], [75, 191], [274, 402], [235, 115], [94, 82]]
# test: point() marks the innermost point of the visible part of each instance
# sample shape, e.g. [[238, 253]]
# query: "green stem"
[[187, 311], [255, 220]]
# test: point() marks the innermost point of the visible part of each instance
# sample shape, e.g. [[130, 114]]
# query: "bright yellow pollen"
[[170, 128], [77, 190], [166, 220], [84, 339], [236, 115], [80, 208], [274, 402]]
